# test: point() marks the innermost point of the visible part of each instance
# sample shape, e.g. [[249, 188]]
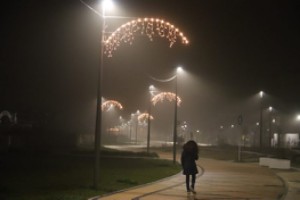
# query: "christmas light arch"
[[165, 96], [109, 104], [150, 27]]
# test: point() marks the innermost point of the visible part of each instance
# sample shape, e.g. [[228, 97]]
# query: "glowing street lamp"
[[270, 125], [170, 97], [270, 108], [261, 94], [105, 5], [256, 132], [178, 70], [151, 92], [134, 118]]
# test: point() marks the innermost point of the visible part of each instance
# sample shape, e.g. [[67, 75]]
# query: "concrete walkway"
[[220, 180], [292, 182]]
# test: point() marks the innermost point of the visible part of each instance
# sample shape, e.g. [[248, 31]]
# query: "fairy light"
[[165, 96], [144, 116], [150, 27], [109, 104]]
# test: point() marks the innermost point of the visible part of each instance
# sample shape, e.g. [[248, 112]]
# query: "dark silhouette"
[[188, 161]]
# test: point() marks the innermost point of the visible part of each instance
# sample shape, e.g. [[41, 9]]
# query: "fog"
[[51, 55]]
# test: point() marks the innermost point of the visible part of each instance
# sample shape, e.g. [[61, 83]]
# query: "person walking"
[[189, 156]]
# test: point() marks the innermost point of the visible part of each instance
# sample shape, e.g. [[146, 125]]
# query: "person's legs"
[[193, 180], [193, 183], [187, 182]]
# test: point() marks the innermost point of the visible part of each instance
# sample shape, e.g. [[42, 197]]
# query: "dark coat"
[[188, 162]]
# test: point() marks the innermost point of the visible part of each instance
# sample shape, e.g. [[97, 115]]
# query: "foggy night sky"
[[50, 55]]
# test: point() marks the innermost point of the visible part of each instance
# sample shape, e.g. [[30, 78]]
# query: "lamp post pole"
[[98, 121], [175, 123], [270, 135], [136, 129], [98, 125], [130, 123], [135, 119], [261, 119], [149, 119], [298, 119], [148, 128]]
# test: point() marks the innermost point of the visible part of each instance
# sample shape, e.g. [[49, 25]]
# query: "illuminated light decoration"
[[150, 27], [109, 104], [114, 131], [165, 95], [144, 116]]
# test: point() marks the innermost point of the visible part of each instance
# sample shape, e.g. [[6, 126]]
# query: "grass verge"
[[53, 177]]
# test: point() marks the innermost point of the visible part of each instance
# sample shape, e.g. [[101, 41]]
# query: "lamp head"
[[261, 94], [107, 4], [179, 69]]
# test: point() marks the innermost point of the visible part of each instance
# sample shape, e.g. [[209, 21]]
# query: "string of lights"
[[165, 96], [147, 26], [109, 104], [144, 116]]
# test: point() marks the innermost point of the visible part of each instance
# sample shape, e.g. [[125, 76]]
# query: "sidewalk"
[[292, 182], [220, 180]]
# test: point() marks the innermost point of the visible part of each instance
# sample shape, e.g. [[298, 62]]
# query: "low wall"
[[275, 163]]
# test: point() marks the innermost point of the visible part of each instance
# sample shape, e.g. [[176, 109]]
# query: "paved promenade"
[[219, 180]]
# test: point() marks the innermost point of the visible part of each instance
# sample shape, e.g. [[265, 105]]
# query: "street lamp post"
[[148, 129], [175, 123], [136, 130], [298, 119], [98, 125], [255, 142], [175, 116], [270, 126], [135, 119], [151, 89], [130, 123], [219, 134], [261, 119]]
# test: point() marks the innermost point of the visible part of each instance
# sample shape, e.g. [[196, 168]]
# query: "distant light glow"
[[270, 108], [113, 130], [165, 96], [109, 104], [137, 113], [261, 94], [150, 27], [151, 87], [298, 117]]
